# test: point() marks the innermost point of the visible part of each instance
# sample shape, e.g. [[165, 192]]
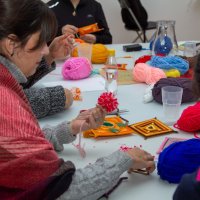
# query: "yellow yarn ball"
[[99, 54], [173, 73]]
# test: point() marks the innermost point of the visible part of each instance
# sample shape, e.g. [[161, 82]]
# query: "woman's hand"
[[69, 29], [141, 159], [89, 38], [88, 119], [60, 47], [69, 98]]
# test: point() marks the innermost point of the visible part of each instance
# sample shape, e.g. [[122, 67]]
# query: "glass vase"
[[165, 42]]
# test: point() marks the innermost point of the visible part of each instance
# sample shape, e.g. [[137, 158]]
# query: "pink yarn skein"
[[144, 73], [76, 68]]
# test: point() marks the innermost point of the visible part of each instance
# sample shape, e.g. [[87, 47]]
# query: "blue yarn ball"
[[170, 62], [163, 46], [178, 159]]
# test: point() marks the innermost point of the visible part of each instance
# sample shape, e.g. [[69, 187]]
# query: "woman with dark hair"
[[29, 166], [74, 14]]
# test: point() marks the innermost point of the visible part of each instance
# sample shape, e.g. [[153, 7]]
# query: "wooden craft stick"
[[125, 57], [139, 171]]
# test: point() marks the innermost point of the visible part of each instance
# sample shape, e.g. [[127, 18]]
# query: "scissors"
[[118, 112]]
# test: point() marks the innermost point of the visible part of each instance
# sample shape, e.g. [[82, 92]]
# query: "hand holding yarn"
[[108, 101], [141, 159], [94, 117], [88, 119], [89, 38], [69, 29], [60, 47]]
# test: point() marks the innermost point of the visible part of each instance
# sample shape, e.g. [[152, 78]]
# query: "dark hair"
[[196, 78], [26, 17]]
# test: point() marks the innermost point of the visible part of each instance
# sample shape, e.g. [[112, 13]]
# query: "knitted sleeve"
[[59, 135], [42, 70], [46, 101], [96, 179]]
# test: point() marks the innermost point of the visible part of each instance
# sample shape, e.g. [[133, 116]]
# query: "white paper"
[[88, 84]]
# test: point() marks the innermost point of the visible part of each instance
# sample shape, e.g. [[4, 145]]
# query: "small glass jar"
[[111, 72]]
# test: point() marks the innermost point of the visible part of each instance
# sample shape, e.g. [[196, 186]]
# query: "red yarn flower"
[[108, 101]]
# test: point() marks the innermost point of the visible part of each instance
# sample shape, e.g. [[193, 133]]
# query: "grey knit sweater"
[[44, 101], [94, 180]]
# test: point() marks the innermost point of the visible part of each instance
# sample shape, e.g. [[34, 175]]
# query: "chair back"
[[133, 14]]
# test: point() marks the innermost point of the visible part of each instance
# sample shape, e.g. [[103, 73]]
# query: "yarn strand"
[[81, 149]]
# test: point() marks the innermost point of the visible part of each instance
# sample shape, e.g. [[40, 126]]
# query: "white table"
[[138, 187]]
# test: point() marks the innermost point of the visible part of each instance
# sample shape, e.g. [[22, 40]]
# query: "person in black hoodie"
[[189, 187], [73, 14]]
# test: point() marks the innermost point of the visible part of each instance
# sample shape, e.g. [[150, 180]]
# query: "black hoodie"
[[87, 12]]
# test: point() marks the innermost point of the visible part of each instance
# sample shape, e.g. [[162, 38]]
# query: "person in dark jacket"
[[73, 14], [189, 187]]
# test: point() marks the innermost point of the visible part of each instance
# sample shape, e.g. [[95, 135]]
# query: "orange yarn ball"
[[144, 73], [99, 53]]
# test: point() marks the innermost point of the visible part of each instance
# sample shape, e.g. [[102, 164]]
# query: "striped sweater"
[[33, 178], [29, 165]]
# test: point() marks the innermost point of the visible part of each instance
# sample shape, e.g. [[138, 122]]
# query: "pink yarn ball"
[[144, 73], [76, 68]]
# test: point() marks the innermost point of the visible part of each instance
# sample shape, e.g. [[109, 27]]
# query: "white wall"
[[186, 13]]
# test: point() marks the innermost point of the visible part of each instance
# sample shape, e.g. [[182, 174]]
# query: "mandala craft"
[[151, 127], [112, 126], [108, 101]]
